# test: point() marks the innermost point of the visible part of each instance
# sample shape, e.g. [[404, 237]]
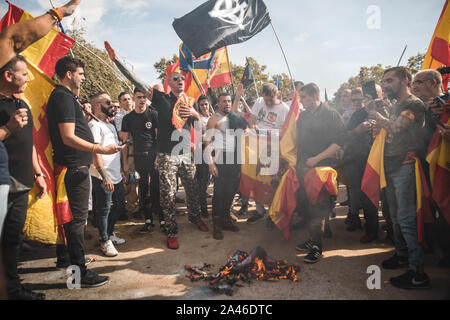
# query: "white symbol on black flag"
[[230, 11], [219, 23]]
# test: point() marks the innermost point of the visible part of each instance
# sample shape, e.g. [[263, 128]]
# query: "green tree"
[[99, 77], [415, 62]]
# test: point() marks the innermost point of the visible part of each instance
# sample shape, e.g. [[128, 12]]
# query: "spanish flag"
[[374, 178], [285, 201], [43, 220], [438, 157], [212, 69], [47, 51], [319, 182], [423, 202], [438, 53]]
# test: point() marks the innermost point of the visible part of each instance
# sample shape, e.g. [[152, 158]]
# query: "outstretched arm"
[[141, 85], [17, 37]]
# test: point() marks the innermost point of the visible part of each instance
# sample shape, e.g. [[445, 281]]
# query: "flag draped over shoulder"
[[211, 70], [47, 51], [219, 23], [43, 216], [438, 157], [438, 53], [285, 201]]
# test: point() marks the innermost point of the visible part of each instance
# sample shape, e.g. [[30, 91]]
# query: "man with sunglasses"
[[107, 184], [169, 160]]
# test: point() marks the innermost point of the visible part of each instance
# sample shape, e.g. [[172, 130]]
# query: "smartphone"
[[369, 89]]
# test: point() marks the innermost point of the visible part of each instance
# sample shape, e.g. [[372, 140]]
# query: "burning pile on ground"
[[245, 267]]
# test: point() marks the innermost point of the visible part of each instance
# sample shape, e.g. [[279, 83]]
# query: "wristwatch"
[[39, 175]]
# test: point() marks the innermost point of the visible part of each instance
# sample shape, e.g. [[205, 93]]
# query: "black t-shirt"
[[4, 172], [357, 147], [317, 130], [63, 107], [165, 104], [142, 128], [19, 145]]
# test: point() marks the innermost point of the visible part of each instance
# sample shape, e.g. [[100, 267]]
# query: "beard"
[[107, 112]]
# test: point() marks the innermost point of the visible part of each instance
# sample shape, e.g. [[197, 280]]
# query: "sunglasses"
[[176, 78]]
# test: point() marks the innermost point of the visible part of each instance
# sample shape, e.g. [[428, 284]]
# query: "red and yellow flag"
[[43, 219], [285, 200], [218, 75], [438, 53], [374, 179], [47, 51], [319, 182], [439, 159]]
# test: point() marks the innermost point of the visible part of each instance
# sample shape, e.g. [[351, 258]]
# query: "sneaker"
[[411, 280], [304, 247], [201, 226], [147, 228], [395, 262], [313, 256], [91, 280], [172, 243], [108, 249], [24, 294], [116, 240], [255, 218]]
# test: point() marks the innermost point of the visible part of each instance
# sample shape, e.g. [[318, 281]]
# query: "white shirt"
[[105, 134], [119, 118], [270, 118]]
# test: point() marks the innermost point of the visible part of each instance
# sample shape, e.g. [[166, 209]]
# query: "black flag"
[[219, 23], [247, 78]]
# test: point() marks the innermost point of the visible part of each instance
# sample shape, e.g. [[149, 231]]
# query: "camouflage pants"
[[168, 167]]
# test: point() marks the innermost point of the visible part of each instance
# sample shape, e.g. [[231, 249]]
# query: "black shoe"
[[314, 255], [147, 228], [61, 264], [305, 247], [411, 280], [255, 218], [25, 294], [395, 262], [91, 280], [243, 210]]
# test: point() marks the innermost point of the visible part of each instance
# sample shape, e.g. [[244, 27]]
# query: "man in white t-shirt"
[[107, 182], [268, 113]]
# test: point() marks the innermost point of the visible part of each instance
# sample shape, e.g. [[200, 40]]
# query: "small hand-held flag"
[[219, 23], [247, 78]]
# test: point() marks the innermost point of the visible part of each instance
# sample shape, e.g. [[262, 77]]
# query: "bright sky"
[[326, 41]]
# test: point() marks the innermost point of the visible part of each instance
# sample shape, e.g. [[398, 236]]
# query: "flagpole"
[[284, 55], [401, 57], [253, 76]]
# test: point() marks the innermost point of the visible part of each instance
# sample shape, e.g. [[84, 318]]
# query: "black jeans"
[[354, 172], [202, 177], [225, 187], [78, 187], [13, 236], [144, 165]]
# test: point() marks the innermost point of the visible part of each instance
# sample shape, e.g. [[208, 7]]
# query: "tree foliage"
[[99, 77]]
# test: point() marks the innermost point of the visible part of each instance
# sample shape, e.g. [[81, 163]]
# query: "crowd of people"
[[119, 159]]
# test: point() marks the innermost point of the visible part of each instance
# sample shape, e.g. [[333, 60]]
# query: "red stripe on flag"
[[221, 80], [256, 190], [288, 202], [440, 51], [370, 185], [58, 48], [11, 17]]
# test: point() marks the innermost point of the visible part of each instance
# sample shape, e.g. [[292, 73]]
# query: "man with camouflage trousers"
[[169, 161]]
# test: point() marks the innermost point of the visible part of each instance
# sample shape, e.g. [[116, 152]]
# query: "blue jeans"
[[400, 194], [105, 216], [4, 190]]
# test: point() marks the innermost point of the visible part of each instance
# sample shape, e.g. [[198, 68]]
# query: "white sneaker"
[[108, 249], [116, 240]]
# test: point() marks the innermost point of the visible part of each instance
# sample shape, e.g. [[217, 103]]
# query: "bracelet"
[[55, 14], [94, 148]]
